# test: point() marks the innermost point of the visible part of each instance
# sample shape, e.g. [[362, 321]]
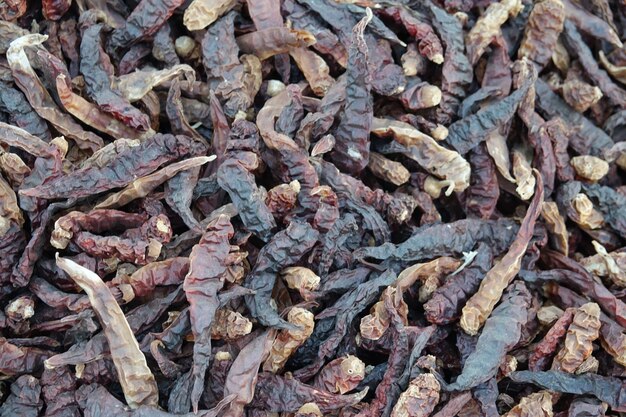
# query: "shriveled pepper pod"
[[341, 375], [419, 399], [287, 341]]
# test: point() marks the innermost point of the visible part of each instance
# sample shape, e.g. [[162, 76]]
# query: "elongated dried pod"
[[287, 341], [542, 31], [136, 379], [434, 158], [583, 331], [141, 187], [314, 69], [556, 226], [479, 307], [268, 42], [488, 25], [90, 114]]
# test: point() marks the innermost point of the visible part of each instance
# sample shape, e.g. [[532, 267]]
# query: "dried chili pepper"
[[491, 347], [284, 249], [351, 151], [606, 389], [457, 73], [583, 330], [466, 133], [445, 304], [208, 261], [39, 98], [545, 23], [144, 21], [24, 399], [134, 375], [146, 157], [480, 305], [419, 399], [280, 394]]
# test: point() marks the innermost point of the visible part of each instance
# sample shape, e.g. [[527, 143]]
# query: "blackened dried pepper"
[[208, 262], [21, 113], [466, 133], [284, 249], [144, 21], [586, 138], [24, 399], [235, 177], [344, 16], [428, 241], [294, 158], [93, 66], [616, 94], [333, 323], [457, 73], [610, 390], [127, 166]]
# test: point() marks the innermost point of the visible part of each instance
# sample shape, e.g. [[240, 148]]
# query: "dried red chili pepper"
[[208, 262]]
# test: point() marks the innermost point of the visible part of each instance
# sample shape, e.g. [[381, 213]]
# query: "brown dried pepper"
[[480, 305], [208, 262], [144, 21], [341, 375], [583, 330], [419, 399], [506, 319], [284, 249], [134, 375], [287, 341], [39, 98], [145, 158], [541, 33]]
